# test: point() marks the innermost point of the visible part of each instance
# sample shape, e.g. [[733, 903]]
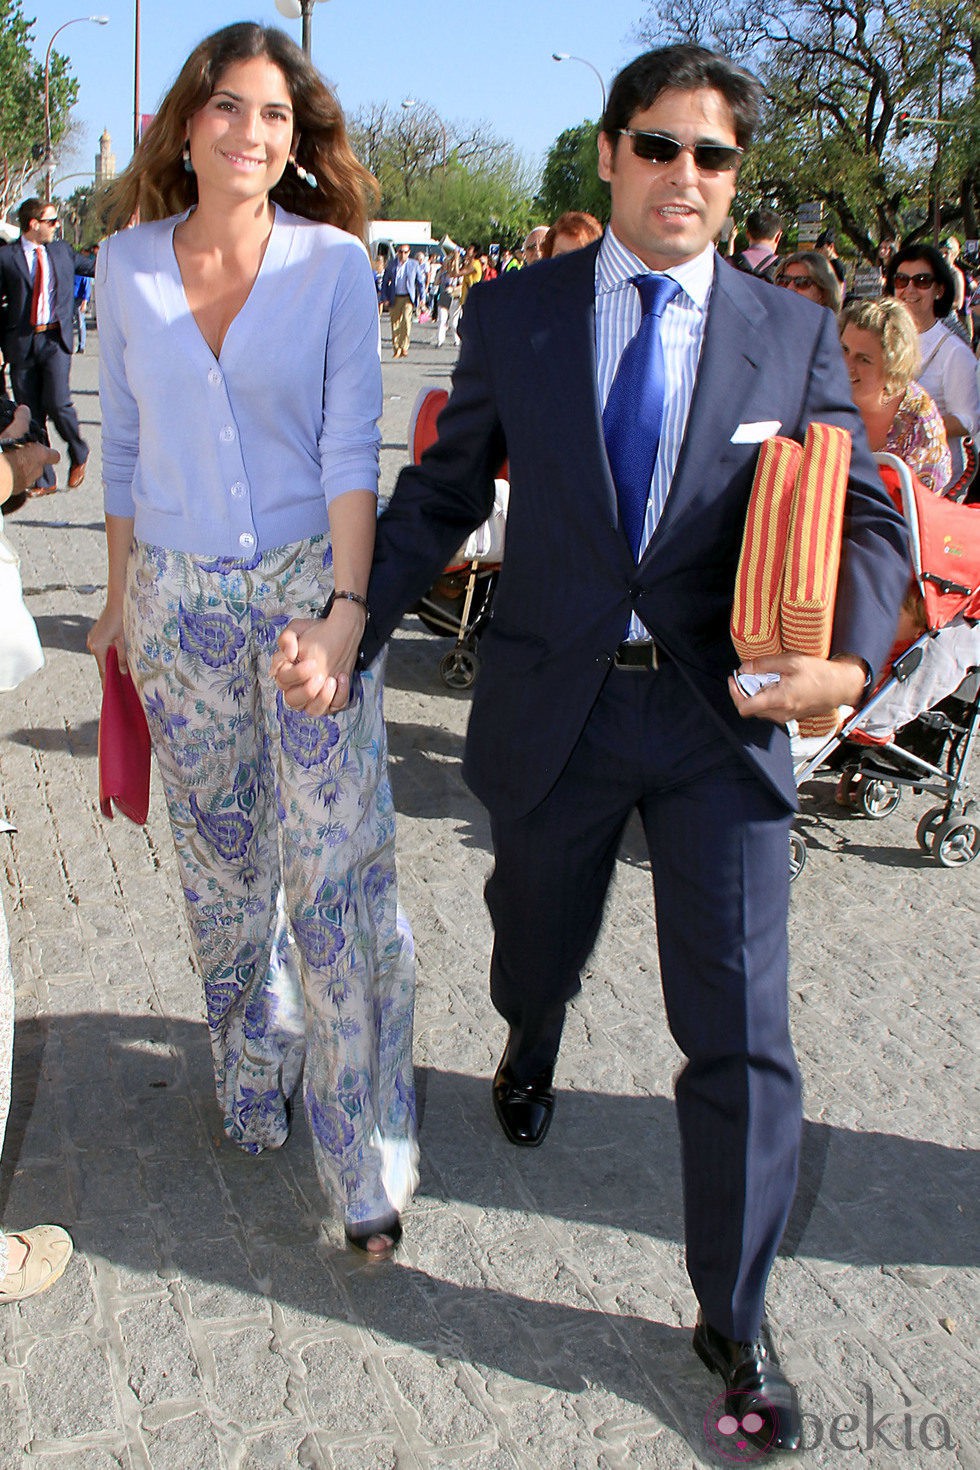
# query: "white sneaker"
[[49, 1250]]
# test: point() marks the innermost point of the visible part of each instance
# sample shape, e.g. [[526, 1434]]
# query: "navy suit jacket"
[[17, 289], [525, 387]]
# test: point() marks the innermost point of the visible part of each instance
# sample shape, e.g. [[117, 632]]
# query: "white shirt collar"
[[616, 266]]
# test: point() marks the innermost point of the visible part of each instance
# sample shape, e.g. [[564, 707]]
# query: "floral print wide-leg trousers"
[[285, 834]]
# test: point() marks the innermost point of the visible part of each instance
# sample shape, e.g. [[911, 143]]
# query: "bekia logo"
[[739, 1436], [744, 1437]]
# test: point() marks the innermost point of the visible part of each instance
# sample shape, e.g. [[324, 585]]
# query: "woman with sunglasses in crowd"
[[919, 277], [241, 389], [810, 273]]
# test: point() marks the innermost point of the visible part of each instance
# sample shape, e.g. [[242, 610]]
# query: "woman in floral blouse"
[[241, 389], [880, 343]]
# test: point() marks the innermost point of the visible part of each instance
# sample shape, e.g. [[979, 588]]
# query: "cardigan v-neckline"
[[276, 247]]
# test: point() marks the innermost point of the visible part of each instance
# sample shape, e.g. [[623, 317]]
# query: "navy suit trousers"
[[718, 840], [41, 380]]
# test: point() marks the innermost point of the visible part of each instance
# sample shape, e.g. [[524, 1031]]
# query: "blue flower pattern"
[[328, 990]]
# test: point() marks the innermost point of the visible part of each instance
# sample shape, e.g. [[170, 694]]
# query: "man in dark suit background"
[[37, 293], [606, 669]]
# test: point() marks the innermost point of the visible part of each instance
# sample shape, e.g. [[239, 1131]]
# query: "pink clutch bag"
[[124, 747]]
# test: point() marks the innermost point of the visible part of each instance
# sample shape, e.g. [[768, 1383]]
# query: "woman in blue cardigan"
[[241, 389]]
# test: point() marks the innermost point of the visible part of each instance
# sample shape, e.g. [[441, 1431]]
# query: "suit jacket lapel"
[[562, 339]]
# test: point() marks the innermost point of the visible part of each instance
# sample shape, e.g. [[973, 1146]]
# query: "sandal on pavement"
[[389, 1233], [49, 1250]]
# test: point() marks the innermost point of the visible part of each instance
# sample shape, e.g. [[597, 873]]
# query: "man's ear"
[[607, 156]]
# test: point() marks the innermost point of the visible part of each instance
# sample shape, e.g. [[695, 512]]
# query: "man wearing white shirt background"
[[37, 275], [605, 671]]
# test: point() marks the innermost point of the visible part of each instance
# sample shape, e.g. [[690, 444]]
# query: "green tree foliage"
[[22, 103], [467, 182], [836, 74], [570, 179]]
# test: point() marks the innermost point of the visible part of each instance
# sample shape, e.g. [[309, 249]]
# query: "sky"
[[489, 62]]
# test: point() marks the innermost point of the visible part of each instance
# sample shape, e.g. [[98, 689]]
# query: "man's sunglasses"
[[920, 280], [710, 158]]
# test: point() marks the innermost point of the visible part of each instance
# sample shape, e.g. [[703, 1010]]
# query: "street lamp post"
[[564, 56], [99, 20], [293, 10]]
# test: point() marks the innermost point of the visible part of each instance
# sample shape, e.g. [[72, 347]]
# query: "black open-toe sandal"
[[359, 1239]]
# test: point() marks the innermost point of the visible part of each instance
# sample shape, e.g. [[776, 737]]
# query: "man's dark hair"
[[763, 224], [943, 303], [30, 209], [684, 69]]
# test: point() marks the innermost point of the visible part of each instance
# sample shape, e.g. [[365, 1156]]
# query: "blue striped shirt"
[[617, 320]]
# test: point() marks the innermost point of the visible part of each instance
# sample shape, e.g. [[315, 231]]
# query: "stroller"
[[930, 693], [458, 603]]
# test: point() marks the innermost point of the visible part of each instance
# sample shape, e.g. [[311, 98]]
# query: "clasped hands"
[[315, 658], [807, 686]]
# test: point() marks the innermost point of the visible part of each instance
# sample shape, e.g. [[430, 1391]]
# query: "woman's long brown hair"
[[156, 185]]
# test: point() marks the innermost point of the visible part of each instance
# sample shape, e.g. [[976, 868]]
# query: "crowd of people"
[[252, 588]]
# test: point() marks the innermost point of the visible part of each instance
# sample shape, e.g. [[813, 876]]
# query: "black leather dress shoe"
[[759, 1390], [523, 1108]]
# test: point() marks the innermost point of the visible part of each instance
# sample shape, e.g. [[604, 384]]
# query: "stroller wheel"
[[877, 797], [459, 669], [929, 825], [957, 842], [797, 855]]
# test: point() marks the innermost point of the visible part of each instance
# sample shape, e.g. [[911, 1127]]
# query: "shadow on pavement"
[[117, 1084]]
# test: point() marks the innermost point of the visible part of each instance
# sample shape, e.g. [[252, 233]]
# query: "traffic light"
[[901, 127]]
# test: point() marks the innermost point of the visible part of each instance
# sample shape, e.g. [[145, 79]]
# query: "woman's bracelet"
[[343, 597]]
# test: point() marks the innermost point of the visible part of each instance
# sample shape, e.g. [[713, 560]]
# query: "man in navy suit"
[[37, 296], [403, 290], [606, 675]]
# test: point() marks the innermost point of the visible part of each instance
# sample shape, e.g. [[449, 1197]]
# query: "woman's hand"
[[315, 659], [105, 633]]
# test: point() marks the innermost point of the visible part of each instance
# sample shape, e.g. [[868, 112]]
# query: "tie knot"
[[655, 292]]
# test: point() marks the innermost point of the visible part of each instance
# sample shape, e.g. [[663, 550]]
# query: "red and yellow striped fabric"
[[806, 611], [761, 565], [786, 585]]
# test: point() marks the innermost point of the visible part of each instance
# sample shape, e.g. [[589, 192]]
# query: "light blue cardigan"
[[233, 456]]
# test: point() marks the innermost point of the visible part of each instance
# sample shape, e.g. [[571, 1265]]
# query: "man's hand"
[[315, 659], [807, 686], [19, 424], [26, 463]]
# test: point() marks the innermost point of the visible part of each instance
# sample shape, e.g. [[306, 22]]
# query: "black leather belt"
[[636, 656]]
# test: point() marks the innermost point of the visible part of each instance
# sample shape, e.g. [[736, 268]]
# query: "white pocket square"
[[755, 433]]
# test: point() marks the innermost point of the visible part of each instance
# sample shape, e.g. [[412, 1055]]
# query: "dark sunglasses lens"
[[920, 280], [715, 157], [655, 147]]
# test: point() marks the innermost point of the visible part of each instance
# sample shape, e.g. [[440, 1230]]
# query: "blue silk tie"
[[634, 409]]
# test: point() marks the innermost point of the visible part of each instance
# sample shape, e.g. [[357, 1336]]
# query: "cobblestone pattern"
[[539, 1314]]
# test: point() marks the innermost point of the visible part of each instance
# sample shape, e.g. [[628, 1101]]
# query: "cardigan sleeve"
[[120, 413]]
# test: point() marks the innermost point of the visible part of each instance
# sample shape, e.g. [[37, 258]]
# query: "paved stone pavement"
[[539, 1314]]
